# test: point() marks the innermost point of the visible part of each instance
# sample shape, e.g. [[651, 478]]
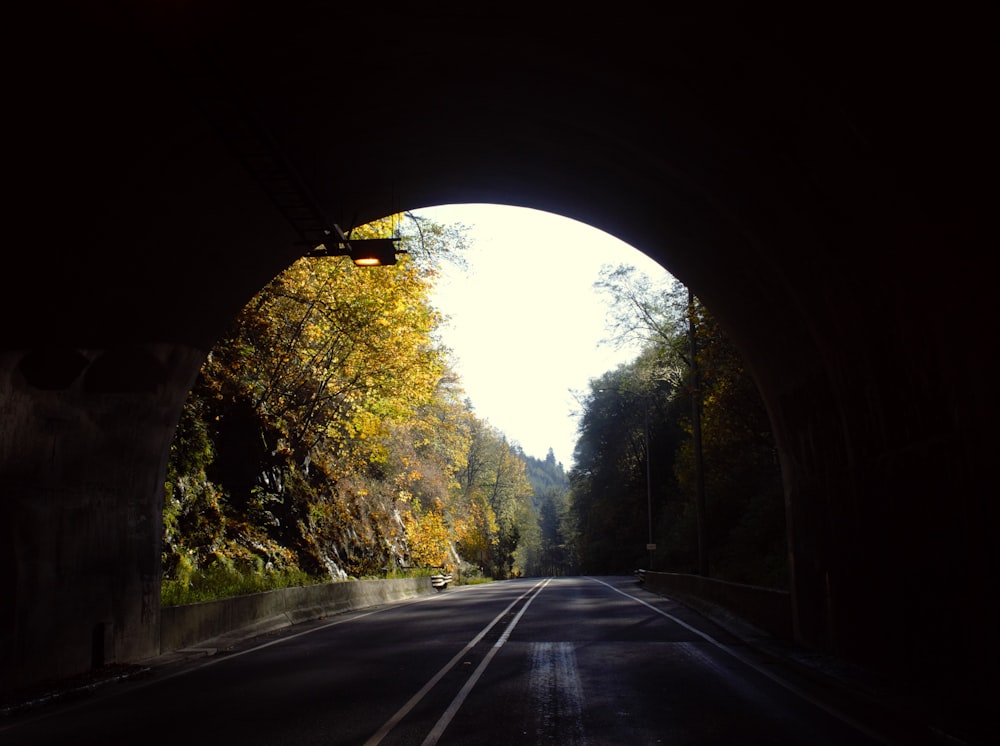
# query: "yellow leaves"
[[428, 539], [342, 371], [386, 227], [479, 529]]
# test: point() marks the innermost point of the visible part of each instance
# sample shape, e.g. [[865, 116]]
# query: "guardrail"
[[440, 581], [767, 609]]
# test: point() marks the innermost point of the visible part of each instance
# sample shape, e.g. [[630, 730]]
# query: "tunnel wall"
[[81, 514], [820, 182], [767, 609]]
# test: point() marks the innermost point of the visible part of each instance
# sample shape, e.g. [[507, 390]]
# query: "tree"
[[745, 499], [496, 494], [611, 500], [641, 310], [299, 408], [744, 507], [547, 542], [327, 434], [428, 536]]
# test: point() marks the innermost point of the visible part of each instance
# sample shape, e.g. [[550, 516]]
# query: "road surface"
[[562, 661]]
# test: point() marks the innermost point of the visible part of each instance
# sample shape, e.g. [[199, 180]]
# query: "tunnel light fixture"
[[374, 252], [364, 252]]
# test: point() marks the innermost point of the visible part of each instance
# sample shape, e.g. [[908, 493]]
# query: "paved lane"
[[601, 661], [555, 661]]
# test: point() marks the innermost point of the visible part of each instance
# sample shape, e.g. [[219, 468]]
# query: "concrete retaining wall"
[[184, 626], [765, 608]]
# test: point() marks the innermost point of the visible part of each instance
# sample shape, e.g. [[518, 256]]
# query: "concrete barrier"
[[190, 624], [767, 609]]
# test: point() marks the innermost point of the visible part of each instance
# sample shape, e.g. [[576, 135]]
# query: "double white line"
[[446, 717]]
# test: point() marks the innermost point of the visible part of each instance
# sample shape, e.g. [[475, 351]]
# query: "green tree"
[[745, 523], [626, 424], [546, 543], [744, 507]]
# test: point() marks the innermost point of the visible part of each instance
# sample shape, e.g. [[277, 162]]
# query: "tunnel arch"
[[817, 182]]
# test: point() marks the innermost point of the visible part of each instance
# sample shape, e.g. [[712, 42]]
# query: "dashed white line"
[[412, 702], [445, 719]]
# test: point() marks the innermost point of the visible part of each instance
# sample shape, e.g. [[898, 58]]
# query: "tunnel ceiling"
[[749, 152]]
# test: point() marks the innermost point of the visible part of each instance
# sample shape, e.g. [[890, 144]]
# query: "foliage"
[[744, 499], [635, 467], [223, 580], [428, 536], [476, 580], [547, 546], [326, 436], [628, 435], [495, 498], [642, 311]]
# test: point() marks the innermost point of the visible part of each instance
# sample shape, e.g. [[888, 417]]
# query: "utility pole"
[[644, 398], [699, 475], [649, 484]]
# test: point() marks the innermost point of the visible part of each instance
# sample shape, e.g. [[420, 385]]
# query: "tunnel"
[[818, 180]]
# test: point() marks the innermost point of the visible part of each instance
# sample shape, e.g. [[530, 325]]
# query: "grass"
[[477, 580], [225, 581], [219, 581]]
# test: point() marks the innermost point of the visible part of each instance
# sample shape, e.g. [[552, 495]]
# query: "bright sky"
[[524, 321]]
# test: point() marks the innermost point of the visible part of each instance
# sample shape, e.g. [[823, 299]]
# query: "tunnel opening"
[[239, 451]]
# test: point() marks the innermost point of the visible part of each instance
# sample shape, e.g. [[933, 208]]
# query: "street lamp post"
[[649, 483], [699, 472], [650, 545]]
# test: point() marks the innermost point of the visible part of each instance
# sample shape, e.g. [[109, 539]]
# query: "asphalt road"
[[560, 661]]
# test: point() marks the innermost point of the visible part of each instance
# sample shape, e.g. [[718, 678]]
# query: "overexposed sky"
[[524, 321]]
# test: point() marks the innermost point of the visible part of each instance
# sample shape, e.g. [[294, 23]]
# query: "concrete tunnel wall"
[[816, 182]]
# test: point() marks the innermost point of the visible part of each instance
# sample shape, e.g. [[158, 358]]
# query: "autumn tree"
[[427, 453], [327, 433], [295, 415], [495, 500]]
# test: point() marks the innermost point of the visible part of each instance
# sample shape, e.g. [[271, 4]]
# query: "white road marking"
[[844, 718], [445, 719], [405, 709]]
